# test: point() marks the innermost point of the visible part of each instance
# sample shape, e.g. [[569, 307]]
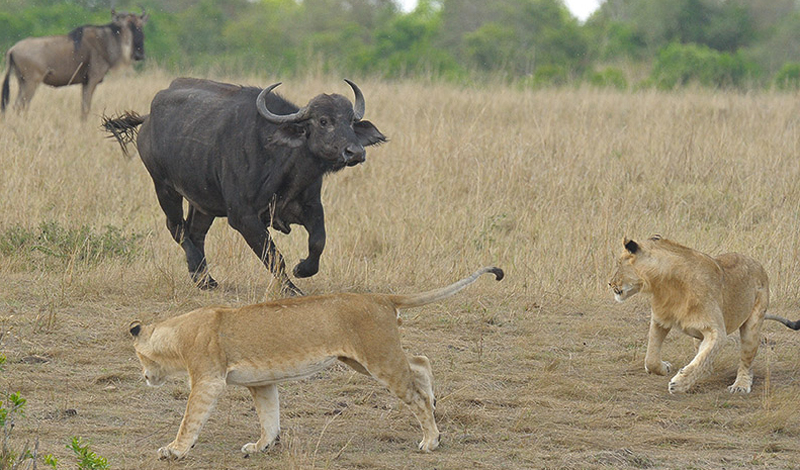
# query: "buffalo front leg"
[[201, 403], [257, 237], [268, 410], [314, 223], [655, 339]]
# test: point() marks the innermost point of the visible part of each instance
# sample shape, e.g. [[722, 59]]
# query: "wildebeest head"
[[329, 125], [135, 23]]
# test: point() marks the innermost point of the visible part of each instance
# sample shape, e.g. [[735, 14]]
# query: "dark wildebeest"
[[83, 56], [249, 155]]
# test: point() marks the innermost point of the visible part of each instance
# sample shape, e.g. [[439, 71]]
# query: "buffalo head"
[[329, 125]]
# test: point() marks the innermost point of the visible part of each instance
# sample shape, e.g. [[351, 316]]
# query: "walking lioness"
[[260, 345], [706, 298]]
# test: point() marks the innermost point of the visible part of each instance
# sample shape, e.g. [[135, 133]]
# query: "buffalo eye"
[[323, 121]]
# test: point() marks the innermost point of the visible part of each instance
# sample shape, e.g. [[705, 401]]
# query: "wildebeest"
[[249, 155], [83, 56]]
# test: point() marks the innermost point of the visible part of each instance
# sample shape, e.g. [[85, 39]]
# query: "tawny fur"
[[706, 298], [258, 346]]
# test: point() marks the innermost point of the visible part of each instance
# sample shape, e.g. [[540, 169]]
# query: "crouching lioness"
[[706, 298], [260, 345]]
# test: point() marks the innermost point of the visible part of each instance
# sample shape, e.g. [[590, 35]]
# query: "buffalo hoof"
[[306, 268], [291, 290], [205, 282]]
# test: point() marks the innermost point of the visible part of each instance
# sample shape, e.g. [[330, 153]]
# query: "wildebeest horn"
[[360, 105], [261, 104]]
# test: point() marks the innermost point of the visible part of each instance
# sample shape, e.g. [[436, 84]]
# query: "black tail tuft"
[[123, 128], [498, 273], [795, 325], [5, 96]]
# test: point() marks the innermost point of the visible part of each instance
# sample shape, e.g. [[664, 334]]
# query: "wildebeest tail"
[[4, 99], [795, 325], [123, 128], [416, 300]]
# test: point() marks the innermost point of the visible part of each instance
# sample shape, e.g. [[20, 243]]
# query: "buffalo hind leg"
[[172, 204], [198, 224], [257, 237]]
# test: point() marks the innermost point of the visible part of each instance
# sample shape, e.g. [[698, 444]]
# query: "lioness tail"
[[795, 325], [416, 300]]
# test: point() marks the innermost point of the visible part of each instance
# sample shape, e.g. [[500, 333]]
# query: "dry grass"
[[542, 370]]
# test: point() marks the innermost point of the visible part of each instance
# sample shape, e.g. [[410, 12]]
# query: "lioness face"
[[624, 281], [154, 374]]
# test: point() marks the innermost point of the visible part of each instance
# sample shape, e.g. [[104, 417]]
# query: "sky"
[[580, 8]]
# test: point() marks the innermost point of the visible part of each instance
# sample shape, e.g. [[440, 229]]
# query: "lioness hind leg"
[[750, 335], [684, 380], [412, 382], [268, 410]]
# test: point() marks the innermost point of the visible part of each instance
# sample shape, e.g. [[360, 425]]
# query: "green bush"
[[681, 64], [788, 77], [610, 77]]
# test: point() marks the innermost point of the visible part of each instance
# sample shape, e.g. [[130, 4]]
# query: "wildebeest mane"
[[77, 34]]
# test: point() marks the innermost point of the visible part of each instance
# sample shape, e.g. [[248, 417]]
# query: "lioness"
[[258, 346], [706, 298]]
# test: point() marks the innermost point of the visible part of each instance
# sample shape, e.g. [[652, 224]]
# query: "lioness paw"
[[429, 446], [679, 385], [661, 369], [168, 453], [741, 386], [250, 448]]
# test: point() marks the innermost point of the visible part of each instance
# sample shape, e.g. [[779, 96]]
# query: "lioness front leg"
[[268, 410], [685, 379], [655, 339], [201, 403]]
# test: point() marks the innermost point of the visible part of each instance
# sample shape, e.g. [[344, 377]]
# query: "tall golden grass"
[[542, 370]]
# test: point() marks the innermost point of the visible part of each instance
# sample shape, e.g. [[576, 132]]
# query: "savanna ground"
[[541, 370]]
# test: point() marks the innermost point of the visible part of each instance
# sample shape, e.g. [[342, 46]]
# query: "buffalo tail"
[[123, 128]]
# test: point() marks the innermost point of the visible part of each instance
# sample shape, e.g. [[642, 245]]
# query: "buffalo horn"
[[360, 105], [261, 104]]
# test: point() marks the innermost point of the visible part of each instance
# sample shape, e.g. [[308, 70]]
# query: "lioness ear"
[[135, 328], [631, 246]]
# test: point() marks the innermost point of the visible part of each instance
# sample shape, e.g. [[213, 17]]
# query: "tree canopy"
[[715, 43]]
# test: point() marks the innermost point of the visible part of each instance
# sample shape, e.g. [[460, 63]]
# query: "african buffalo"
[[83, 56], [249, 155]]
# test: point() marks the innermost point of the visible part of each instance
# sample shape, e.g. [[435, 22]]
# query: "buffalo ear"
[[291, 135], [135, 328], [368, 134], [631, 246]]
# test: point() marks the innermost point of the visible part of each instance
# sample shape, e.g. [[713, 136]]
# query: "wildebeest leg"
[[197, 224], [314, 223], [256, 235], [86, 103], [172, 204], [27, 88]]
